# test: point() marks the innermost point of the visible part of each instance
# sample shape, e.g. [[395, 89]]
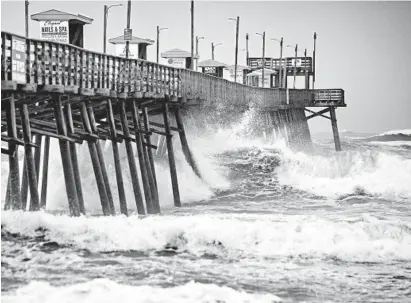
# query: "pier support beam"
[[148, 155], [101, 159], [131, 160], [14, 198], [335, 129], [144, 165], [66, 158], [44, 178], [29, 159], [74, 160], [184, 144], [171, 159], [117, 163], [95, 162]]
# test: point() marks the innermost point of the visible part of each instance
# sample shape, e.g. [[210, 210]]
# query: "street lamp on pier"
[[212, 49], [106, 8], [197, 39], [237, 21], [281, 61], [158, 39], [262, 70], [295, 61]]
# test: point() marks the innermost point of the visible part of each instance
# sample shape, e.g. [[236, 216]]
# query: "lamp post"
[[237, 21], [212, 49], [197, 38], [128, 26], [246, 47], [281, 60], [262, 70], [106, 8], [26, 12], [192, 35], [158, 39], [295, 61], [315, 40]]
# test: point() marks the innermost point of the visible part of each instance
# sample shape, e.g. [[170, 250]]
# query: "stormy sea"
[[265, 224]]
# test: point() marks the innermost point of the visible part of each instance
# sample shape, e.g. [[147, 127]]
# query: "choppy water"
[[267, 225]]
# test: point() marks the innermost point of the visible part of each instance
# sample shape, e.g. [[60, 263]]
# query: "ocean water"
[[266, 224]]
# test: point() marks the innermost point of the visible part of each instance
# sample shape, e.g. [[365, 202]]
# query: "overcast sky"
[[362, 47]]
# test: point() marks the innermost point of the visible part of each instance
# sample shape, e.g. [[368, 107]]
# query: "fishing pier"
[[66, 93]]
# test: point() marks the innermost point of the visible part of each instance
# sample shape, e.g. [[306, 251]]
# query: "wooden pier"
[[60, 91]]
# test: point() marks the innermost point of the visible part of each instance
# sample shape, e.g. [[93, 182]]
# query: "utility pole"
[[246, 50], [263, 59], [105, 29], [26, 4], [192, 35], [212, 50], [315, 40], [128, 26], [237, 21], [295, 64], [158, 41], [281, 62]]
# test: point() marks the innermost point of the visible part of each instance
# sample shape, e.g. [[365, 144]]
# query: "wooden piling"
[[131, 159], [14, 197], [24, 185], [66, 158], [101, 159], [184, 144], [95, 162], [29, 159], [116, 155], [142, 161], [148, 156], [334, 126], [171, 160], [44, 178], [74, 160]]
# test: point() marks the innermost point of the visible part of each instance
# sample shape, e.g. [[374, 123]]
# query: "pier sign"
[[132, 50], [54, 30], [177, 62], [18, 60]]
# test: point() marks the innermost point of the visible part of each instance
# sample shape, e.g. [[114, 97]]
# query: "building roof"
[[177, 53], [258, 72], [134, 40], [239, 67], [54, 14], [212, 63]]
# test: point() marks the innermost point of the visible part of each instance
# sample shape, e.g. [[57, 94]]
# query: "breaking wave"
[[392, 135], [365, 238], [367, 172], [104, 290]]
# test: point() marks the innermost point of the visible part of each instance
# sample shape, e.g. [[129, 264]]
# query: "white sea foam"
[[391, 143], [104, 290], [348, 172], [406, 132], [242, 236]]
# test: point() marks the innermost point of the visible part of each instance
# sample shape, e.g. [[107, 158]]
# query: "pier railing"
[[33, 64]]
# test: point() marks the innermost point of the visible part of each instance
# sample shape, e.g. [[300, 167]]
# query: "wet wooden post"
[[14, 197], [171, 160], [74, 160], [44, 178], [148, 155], [95, 162], [131, 159], [184, 144], [29, 158], [37, 157], [101, 159], [142, 161], [335, 129], [66, 158], [24, 185], [116, 155]]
